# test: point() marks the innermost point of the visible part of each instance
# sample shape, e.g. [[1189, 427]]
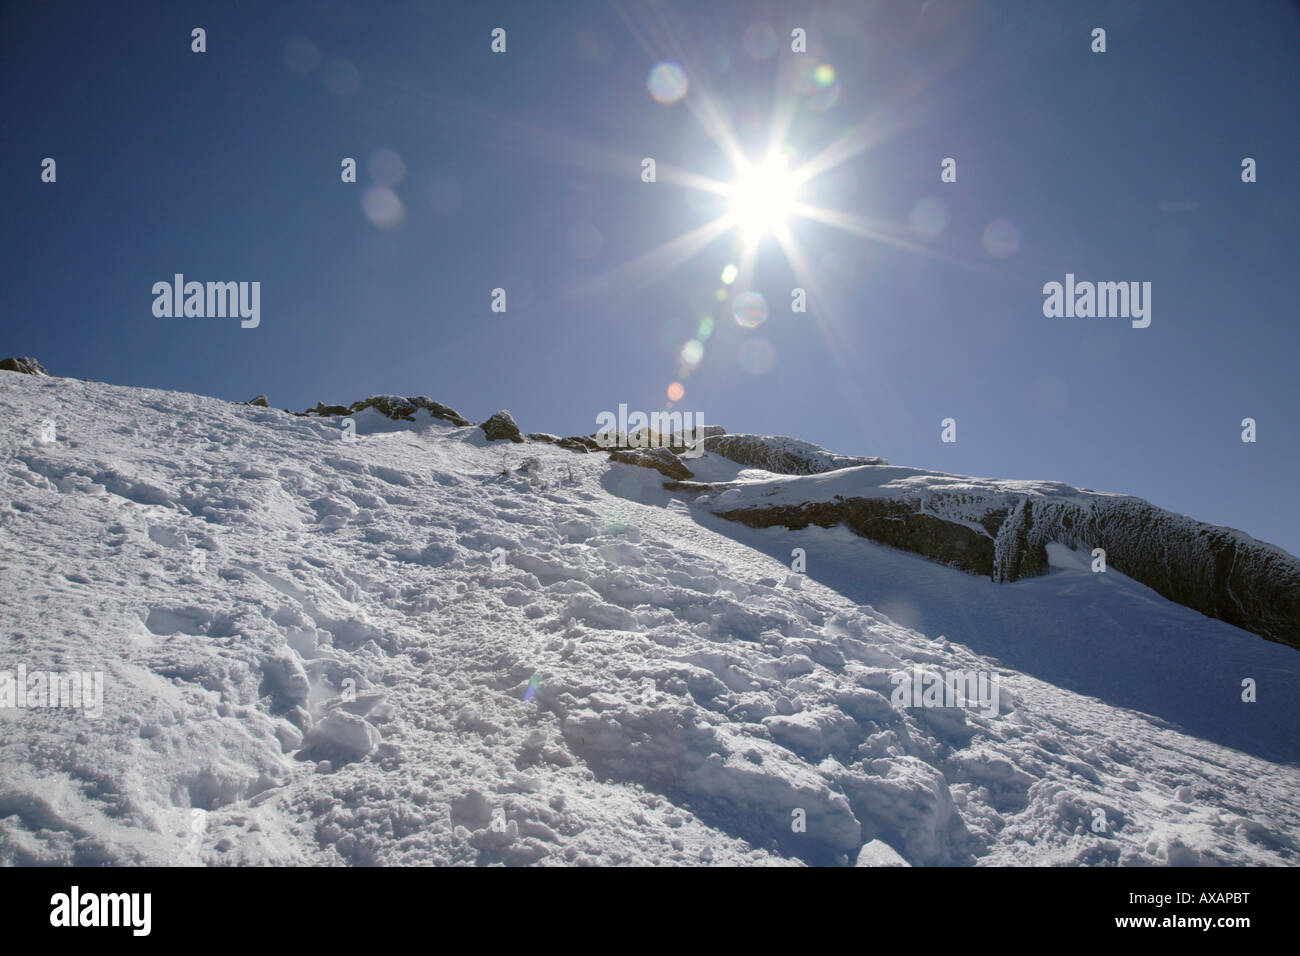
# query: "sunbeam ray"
[[659, 261], [880, 231]]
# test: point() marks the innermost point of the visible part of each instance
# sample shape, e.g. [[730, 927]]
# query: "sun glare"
[[763, 198]]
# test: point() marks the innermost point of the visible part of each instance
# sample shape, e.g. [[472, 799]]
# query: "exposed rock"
[[500, 426], [325, 410], [660, 459], [899, 524], [682, 441], [392, 406], [585, 443], [261, 401], [781, 455], [697, 487], [1217, 571], [24, 365], [582, 443], [439, 410], [404, 409]]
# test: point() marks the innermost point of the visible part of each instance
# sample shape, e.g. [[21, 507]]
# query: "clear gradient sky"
[[522, 170]]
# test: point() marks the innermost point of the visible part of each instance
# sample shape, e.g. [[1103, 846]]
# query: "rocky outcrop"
[[390, 406], [324, 410], [404, 409], [1217, 571], [781, 455], [582, 443], [502, 426], [899, 524], [661, 460], [23, 365], [261, 401], [696, 487]]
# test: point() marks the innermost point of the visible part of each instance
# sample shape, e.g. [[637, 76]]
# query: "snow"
[[341, 677], [961, 499]]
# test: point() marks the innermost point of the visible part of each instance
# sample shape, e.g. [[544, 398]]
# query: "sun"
[[763, 198]]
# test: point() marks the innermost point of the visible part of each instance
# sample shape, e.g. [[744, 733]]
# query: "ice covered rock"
[[1015, 554], [1001, 529]]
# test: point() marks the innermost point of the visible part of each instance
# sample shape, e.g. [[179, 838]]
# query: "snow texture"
[[395, 650]]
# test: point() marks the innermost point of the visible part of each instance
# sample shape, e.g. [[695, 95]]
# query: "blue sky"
[[523, 171]]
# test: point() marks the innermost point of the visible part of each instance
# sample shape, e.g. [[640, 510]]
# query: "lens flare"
[[614, 519], [382, 207], [675, 392], [1001, 238], [533, 684], [692, 352], [824, 75], [749, 310], [705, 329], [341, 77], [729, 273], [667, 82]]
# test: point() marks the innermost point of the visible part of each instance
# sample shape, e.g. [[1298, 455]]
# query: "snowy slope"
[[553, 671]]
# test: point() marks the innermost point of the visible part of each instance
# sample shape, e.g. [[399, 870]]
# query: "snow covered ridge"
[[1001, 529], [423, 646]]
